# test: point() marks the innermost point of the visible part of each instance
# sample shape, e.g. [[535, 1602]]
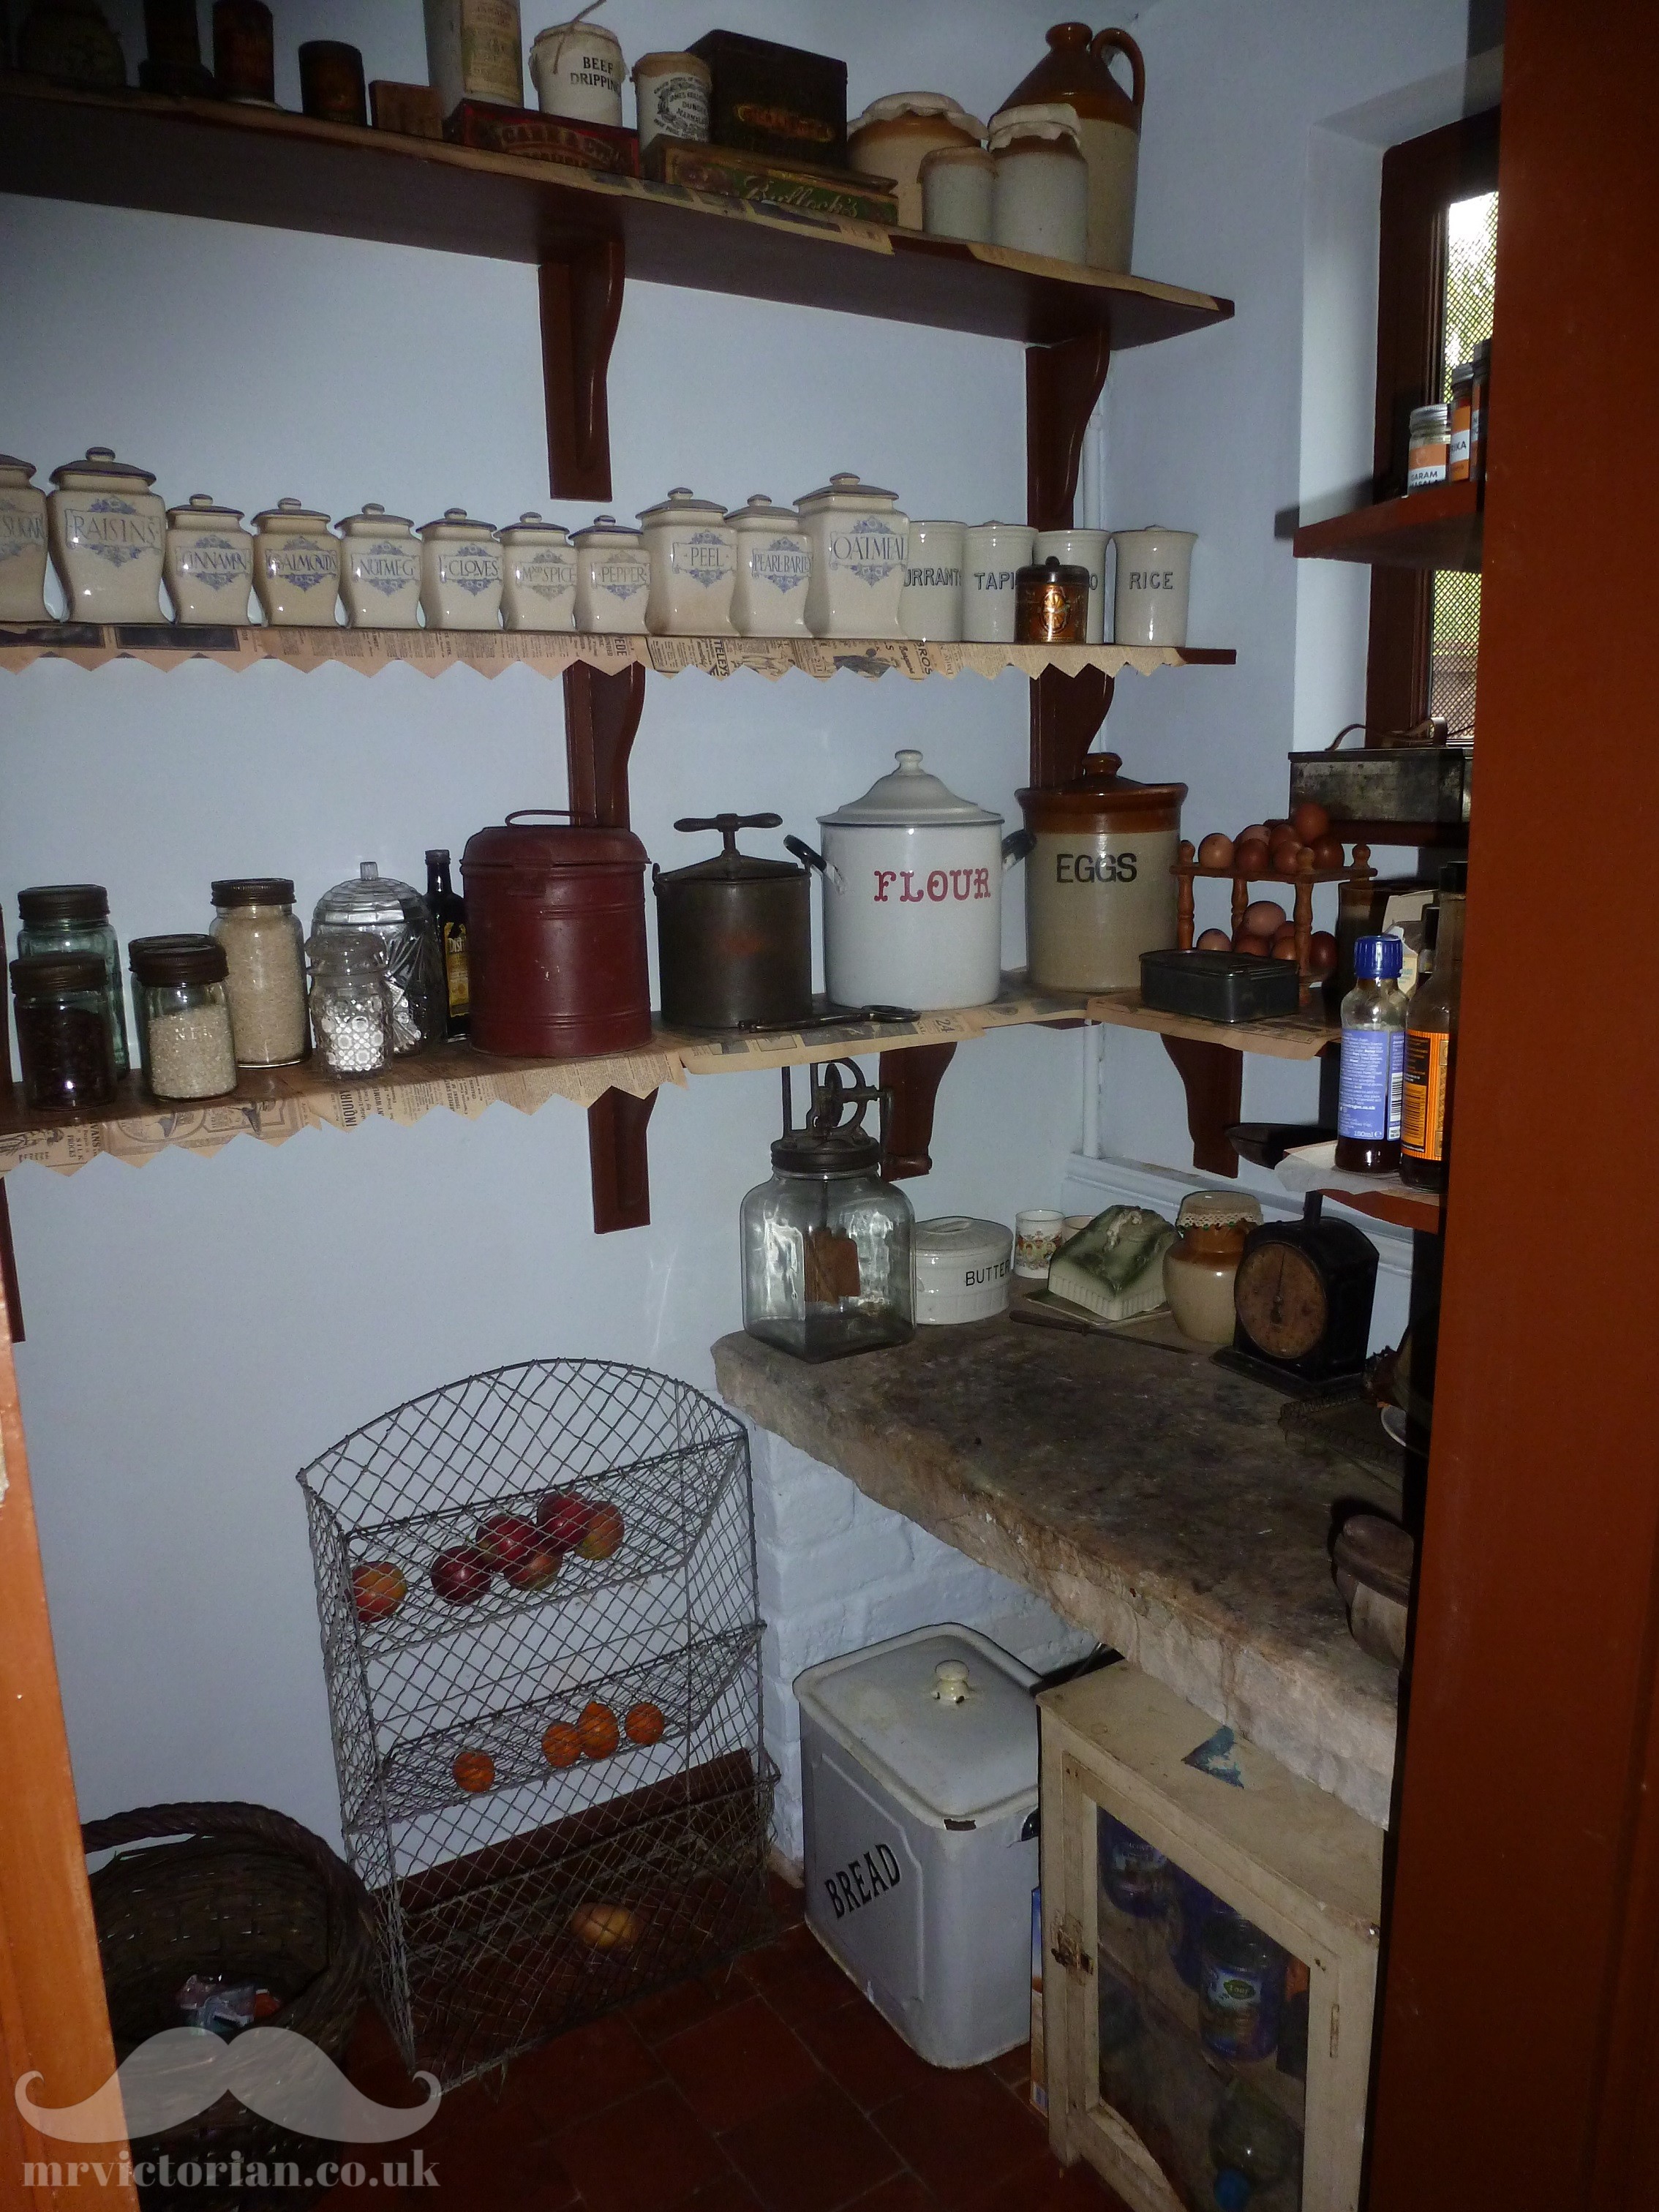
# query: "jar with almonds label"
[[296, 566]]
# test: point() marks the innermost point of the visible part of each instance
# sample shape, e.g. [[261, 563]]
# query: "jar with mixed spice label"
[[63, 1033], [1428, 443], [182, 1014], [265, 971]]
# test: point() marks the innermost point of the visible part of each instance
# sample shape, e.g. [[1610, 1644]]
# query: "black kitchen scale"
[[1302, 1306]]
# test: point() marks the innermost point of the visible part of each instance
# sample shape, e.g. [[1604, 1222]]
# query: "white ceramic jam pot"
[[693, 551], [380, 557], [1040, 199], [860, 541], [461, 573], [579, 72], [296, 566], [913, 894], [22, 543], [613, 576], [539, 575], [775, 561], [209, 562], [896, 134], [107, 532], [957, 183]]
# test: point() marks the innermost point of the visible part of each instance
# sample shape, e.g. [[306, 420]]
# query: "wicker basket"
[[249, 1894]]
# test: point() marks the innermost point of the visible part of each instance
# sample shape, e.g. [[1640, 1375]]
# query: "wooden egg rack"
[[1185, 868]]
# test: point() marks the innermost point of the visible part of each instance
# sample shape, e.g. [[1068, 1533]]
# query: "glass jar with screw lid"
[[183, 1015], [75, 918], [351, 1005], [62, 1031], [264, 953]]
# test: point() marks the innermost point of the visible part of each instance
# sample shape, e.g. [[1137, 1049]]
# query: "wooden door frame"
[[1519, 2059]]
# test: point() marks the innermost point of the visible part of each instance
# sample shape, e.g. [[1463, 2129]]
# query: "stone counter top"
[[1150, 1496]]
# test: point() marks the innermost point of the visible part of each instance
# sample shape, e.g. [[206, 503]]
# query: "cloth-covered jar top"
[[1043, 119]]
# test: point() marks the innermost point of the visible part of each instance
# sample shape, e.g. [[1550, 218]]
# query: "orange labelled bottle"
[[1432, 1045]]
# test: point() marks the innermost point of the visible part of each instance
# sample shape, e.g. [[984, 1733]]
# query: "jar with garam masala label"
[[1051, 603], [1428, 444]]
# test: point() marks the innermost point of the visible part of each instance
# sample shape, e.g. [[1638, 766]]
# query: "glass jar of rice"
[[265, 969], [183, 1016]]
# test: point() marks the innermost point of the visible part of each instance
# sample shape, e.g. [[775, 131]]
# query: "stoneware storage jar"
[[1081, 549], [579, 72], [209, 562], [1075, 72], [1098, 889], [296, 566], [671, 97], [461, 573], [1200, 1267], [1040, 200], [774, 560], [930, 605], [1154, 569], [693, 553], [895, 135], [380, 556], [107, 532], [912, 894], [860, 541], [22, 543], [539, 575], [992, 555], [962, 1269], [613, 576], [957, 183], [475, 50]]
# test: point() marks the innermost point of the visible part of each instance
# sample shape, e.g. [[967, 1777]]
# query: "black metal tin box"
[[1219, 987], [768, 99], [1386, 783]]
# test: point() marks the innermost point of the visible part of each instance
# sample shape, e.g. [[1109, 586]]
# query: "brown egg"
[[1263, 917], [1309, 821], [1284, 856], [1216, 851], [1285, 931], [1322, 953], [1261, 946], [1327, 852], [1283, 948], [1252, 832], [1214, 940], [1250, 856]]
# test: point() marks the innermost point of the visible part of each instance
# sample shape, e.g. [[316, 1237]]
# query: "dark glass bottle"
[[1431, 1045], [449, 913]]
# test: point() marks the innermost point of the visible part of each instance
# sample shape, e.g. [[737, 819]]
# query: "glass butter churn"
[[826, 1241]]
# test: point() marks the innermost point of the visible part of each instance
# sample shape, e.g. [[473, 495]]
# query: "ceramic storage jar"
[[895, 135], [1040, 203], [1154, 570], [1075, 72], [672, 94], [22, 543], [930, 605], [209, 562], [296, 566], [107, 532], [613, 576], [579, 72], [774, 560], [1200, 1267], [957, 183], [461, 573], [1098, 889], [380, 555], [992, 555], [860, 541], [693, 553], [539, 575]]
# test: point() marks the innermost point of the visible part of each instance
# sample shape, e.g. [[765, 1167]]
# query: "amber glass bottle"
[[1431, 1045]]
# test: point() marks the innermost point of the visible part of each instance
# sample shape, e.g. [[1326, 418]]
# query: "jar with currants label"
[[62, 1031]]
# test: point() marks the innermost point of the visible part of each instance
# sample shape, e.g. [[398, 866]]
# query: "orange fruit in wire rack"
[[378, 1588], [562, 1746], [474, 1769], [597, 1731], [644, 1724], [604, 1534]]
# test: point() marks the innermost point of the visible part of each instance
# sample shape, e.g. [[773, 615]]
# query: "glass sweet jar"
[[254, 922], [1199, 1267], [826, 1242], [396, 915], [350, 1001]]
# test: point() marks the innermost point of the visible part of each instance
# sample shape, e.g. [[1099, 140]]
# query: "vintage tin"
[[296, 566], [331, 86], [461, 573], [578, 70], [1083, 549], [539, 575], [1403, 784], [22, 543], [613, 577], [672, 94], [859, 543], [962, 1268], [380, 558], [475, 50], [1218, 987], [775, 563], [208, 563], [244, 52], [607, 150], [770, 181], [693, 552], [107, 532], [734, 935], [1098, 889], [771, 99], [1051, 603]]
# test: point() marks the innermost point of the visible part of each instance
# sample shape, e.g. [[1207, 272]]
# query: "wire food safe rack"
[[505, 1914]]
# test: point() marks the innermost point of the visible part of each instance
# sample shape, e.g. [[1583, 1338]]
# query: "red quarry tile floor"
[[770, 2086]]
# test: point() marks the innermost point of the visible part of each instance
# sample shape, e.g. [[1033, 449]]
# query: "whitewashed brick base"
[[838, 1572]]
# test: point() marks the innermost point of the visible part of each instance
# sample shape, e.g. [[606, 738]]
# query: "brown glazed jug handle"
[[1120, 42]]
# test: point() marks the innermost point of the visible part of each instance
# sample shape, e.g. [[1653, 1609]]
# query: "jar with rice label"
[[266, 974], [182, 1014]]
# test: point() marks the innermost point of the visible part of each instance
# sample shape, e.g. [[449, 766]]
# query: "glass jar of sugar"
[[183, 1015], [351, 1006], [264, 953]]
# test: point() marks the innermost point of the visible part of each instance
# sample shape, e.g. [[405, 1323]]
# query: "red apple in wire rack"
[[378, 1588], [604, 1534], [538, 1567], [564, 1518], [505, 1538], [460, 1576]]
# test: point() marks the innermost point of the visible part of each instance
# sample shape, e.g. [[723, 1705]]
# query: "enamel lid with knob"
[[910, 796]]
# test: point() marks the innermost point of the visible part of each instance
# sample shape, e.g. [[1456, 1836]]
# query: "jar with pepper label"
[[62, 1031]]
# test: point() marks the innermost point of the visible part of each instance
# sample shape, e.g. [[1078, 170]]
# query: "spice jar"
[[107, 532], [774, 560], [402, 921], [539, 575], [461, 573], [184, 1017], [693, 553], [208, 561], [1477, 406], [63, 1032], [1199, 1267], [22, 543], [1462, 411], [613, 576], [382, 562], [75, 918], [1051, 603], [1040, 200], [265, 970], [296, 566], [1427, 446], [350, 1001]]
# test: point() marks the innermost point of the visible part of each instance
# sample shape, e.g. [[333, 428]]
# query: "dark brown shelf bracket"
[[911, 1080], [1066, 713], [582, 297], [621, 1165], [1213, 1076], [1062, 383]]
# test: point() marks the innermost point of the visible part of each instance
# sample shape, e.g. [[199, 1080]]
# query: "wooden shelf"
[[550, 652], [1287, 1036], [287, 171], [1440, 528], [1384, 1198]]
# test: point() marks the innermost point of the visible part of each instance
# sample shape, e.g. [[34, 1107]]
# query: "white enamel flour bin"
[[919, 1775]]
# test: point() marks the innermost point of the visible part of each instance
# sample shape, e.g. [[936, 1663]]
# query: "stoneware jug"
[[1075, 71], [209, 561], [22, 543]]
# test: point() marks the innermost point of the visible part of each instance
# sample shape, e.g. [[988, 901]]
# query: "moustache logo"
[[177, 2075]]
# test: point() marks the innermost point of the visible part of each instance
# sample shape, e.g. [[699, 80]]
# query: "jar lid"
[[535, 848], [844, 490], [203, 507], [1218, 1209], [99, 467], [178, 959], [252, 890], [1042, 120], [1436, 416], [374, 517], [892, 105], [1463, 374], [1098, 794], [959, 1237], [289, 514], [530, 530], [63, 902], [686, 64], [605, 530], [456, 522], [14, 471], [757, 513], [366, 900], [729, 866], [1052, 570], [45, 974], [682, 504], [910, 795], [940, 157], [826, 1152]]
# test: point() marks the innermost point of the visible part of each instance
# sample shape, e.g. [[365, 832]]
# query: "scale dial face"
[[1279, 1295]]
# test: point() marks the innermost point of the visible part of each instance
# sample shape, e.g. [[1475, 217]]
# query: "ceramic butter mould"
[[107, 532], [693, 552], [209, 562], [539, 575], [613, 576], [296, 566], [859, 541], [380, 559], [461, 573], [774, 560], [22, 543]]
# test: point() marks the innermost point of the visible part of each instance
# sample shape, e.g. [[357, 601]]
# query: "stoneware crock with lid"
[[22, 543], [912, 894], [380, 558], [859, 543], [774, 560], [209, 562], [539, 575], [693, 552], [108, 531], [613, 576], [1040, 193], [461, 573], [1098, 889], [1075, 71], [296, 566], [896, 134]]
